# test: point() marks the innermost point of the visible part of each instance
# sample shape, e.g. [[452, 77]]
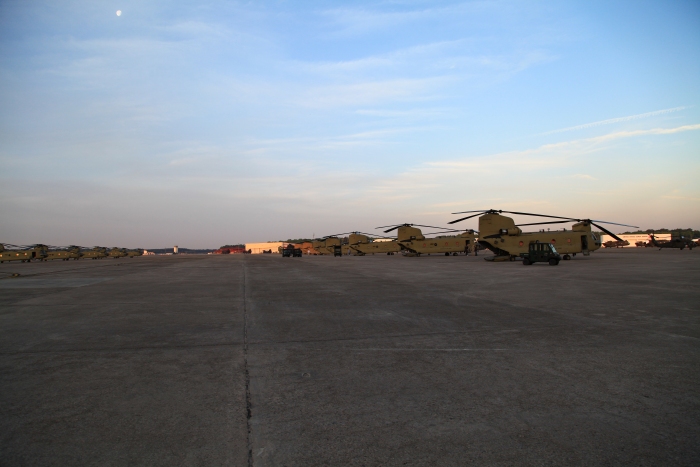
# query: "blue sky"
[[207, 123]]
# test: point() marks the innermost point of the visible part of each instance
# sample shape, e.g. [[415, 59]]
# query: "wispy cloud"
[[555, 153], [617, 120], [684, 198], [372, 93]]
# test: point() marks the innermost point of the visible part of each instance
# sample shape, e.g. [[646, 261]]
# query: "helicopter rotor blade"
[[429, 226], [543, 223], [465, 212], [393, 228], [442, 232], [613, 223], [464, 218], [608, 232], [371, 235], [537, 215]]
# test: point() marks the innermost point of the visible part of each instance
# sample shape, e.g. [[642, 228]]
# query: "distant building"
[[258, 248], [175, 250]]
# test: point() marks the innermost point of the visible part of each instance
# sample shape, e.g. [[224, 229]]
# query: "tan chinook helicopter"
[[97, 252], [500, 234], [117, 253], [361, 244], [413, 243], [136, 252], [319, 246], [24, 254], [330, 245], [62, 253]]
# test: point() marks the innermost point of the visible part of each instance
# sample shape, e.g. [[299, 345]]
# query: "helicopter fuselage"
[[499, 234], [412, 240], [95, 253], [38, 252], [360, 245]]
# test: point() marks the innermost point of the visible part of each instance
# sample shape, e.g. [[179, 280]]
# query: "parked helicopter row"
[[41, 252], [497, 233], [409, 240]]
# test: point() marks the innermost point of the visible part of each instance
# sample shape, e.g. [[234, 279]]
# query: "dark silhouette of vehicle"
[[541, 253], [677, 241], [290, 251]]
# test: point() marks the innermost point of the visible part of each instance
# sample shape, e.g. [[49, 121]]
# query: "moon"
[[119, 12]]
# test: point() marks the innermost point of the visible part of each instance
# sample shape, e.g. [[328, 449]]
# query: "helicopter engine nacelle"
[[356, 239], [496, 224], [406, 234]]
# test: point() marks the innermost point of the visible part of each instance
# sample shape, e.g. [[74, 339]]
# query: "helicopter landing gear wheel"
[[567, 257], [447, 254], [553, 262], [526, 262]]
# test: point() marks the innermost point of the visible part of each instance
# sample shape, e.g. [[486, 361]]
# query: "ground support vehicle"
[[291, 252], [541, 253]]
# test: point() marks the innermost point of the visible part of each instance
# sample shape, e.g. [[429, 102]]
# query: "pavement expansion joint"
[[247, 372]]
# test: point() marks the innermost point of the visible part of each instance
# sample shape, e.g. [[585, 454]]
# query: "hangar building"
[[258, 248]]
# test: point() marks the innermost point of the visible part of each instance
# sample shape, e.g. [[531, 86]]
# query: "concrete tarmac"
[[378, 360]]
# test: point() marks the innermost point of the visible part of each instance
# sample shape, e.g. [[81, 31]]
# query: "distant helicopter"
[[319, 246], [23, 254], [616, 244], [97, 252], [330, 245], [136, 252], [414, 243], [680, 242], [117, 253], [500, 234], [62, 253], [361, 244]]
